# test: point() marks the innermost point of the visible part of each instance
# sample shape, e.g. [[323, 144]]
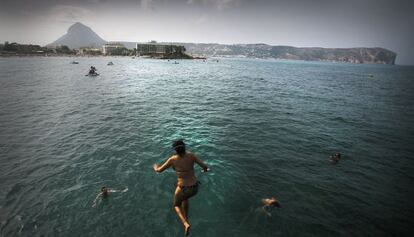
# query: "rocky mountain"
[[79, 36], [352, 55]]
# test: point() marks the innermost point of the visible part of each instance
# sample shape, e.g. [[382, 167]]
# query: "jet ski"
[[92, 74]]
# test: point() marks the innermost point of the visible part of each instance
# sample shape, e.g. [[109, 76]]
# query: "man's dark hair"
[[179, 147]]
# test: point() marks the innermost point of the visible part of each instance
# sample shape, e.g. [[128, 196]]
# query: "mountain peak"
[[78, 26], [78, 36]]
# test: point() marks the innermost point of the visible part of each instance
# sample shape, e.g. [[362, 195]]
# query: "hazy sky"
[[302, 23]]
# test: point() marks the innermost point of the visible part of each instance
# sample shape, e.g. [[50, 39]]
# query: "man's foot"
[[186, 229]]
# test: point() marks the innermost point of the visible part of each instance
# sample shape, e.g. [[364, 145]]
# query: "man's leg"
[[177, 207], [184, 208]]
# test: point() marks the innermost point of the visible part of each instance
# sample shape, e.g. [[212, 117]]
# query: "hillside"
[[79, 36], [353, 55]]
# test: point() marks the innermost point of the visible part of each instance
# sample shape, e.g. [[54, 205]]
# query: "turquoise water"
[[265, 128]]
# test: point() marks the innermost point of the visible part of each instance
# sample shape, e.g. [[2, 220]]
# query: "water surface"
[[265, 127]]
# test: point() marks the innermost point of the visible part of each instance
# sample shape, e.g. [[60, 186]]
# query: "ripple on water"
[[265, 128]]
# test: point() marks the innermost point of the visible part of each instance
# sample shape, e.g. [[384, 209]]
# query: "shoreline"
[[193, 58], [93, 56]]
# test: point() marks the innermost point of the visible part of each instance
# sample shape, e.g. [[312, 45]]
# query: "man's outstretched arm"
[[117, 191], [96, 199], [265, 209]]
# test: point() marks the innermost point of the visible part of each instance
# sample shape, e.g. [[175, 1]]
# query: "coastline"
[[93, 56], [193, 58]]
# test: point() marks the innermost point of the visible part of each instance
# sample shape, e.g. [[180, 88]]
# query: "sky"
[[301, 23]]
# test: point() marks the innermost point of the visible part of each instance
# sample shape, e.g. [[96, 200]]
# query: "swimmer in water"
[[105, 193], [187, 185], [335, 158], [269, 204]]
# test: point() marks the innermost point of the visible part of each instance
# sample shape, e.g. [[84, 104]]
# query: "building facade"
[[88, 51], [156, 49], [111, 48]]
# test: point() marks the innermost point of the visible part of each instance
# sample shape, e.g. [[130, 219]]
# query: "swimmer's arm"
[[96, 199], [160, 168], [265, 209], [117, 191], [200, 163]]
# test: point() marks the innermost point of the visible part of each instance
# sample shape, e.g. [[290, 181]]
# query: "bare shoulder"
[[173, 158], [190, 154]]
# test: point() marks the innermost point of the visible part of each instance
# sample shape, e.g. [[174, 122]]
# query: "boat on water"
[[110, 64], [74, 62], [92, 74]]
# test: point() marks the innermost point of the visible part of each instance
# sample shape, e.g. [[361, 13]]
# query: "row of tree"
[[31, 49], [15, 48]]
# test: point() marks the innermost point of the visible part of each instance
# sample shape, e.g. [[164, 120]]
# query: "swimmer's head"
[[104, 190], [338, 155], [179, 147], [274, 202], [271, 202]]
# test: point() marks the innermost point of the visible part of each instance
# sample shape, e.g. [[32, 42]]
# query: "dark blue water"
[[265, 128]]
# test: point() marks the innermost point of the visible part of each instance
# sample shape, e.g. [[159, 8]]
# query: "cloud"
[[226, 4], [65, 13], [146, 4], [201, 19], [219, 4]]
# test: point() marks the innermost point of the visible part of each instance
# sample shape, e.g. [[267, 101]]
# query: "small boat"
[[74, 62], [110, 64], [176, 62], [92, 74]]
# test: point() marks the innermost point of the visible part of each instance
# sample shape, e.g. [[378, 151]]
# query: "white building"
[[154, 48], [110, 47]]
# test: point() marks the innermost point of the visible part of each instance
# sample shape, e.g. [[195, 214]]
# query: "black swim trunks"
[[185, 193]]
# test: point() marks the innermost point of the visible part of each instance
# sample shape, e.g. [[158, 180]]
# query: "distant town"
[[81, 40], [151, 49]]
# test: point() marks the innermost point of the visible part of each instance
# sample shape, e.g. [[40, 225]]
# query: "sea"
[[266, 128]]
